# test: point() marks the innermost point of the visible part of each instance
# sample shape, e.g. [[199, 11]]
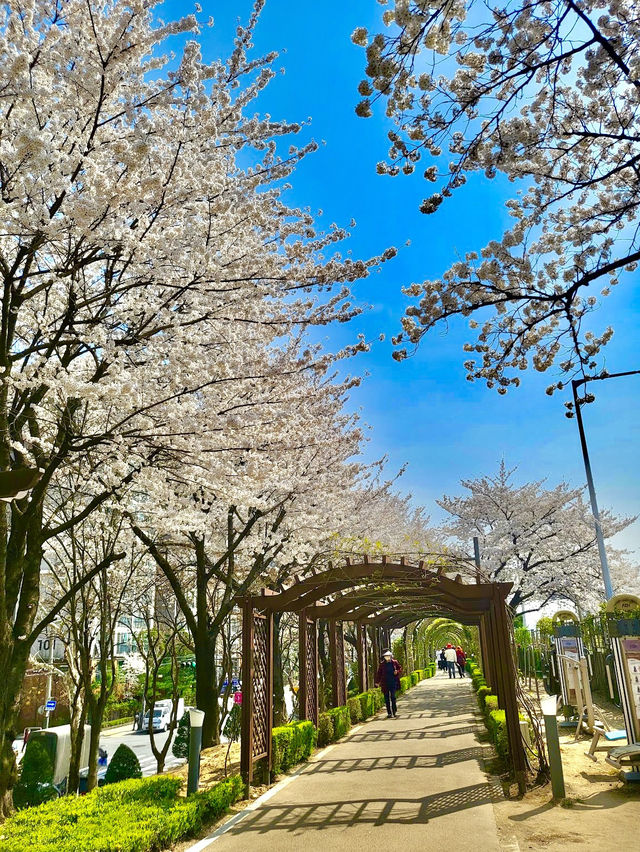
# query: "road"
[[140, 744]]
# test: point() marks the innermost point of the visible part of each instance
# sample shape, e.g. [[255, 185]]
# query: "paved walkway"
[[411, 783]]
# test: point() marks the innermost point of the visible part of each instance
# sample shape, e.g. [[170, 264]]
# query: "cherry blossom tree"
[[540, 539], [140, 261], [546, 93]]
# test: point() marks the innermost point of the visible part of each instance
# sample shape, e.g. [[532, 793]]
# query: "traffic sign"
[[51, 704], [237, 698]]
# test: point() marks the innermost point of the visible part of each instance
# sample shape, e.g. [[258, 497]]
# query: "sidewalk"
[[411, 783]]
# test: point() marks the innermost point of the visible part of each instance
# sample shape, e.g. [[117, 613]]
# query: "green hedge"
[[355, 709], [113, 723], [325, 730], [415, 678], [367, 704], [133, 816], [291, 744], [405, 684], [341, 721]]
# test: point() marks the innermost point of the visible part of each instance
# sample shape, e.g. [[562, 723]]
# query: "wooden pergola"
[[376, 597]]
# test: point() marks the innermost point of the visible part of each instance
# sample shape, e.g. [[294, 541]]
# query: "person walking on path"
[[442, 662], [388, 679], [452, 658], [461, 660]]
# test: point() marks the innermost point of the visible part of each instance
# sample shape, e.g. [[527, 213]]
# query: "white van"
[[162, 715]]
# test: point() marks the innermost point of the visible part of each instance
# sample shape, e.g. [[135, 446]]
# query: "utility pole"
[[49, 680], [604, 563]]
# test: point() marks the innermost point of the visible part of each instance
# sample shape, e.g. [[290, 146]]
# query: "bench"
[[611, 737]]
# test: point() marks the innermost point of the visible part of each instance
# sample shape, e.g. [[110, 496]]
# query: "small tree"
[[124, 765], [181, 742], [36, 781], [232, 730]]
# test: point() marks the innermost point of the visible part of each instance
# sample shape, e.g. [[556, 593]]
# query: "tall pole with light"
[[575, 384]]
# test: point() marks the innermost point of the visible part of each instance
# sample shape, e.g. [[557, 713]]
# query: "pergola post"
[[494, 652], [361, 650], [308, 663], [336, 654], [485, 658], [246, 714], [257, 690], [506, 673]]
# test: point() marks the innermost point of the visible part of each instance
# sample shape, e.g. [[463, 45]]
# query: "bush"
[[490, 703], [497, 726], [291, 744], [378, 698], [405, 683], [415, 678], [355, 709], [36, 780], [325, 730], [180, 747], [105, 820], [367, 704], [341, 721], [483, 693], [124, 765]]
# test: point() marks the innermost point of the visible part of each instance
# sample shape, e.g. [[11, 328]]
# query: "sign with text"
[[237, 698]]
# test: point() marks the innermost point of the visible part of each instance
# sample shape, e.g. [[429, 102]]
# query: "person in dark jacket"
[[461, 659], [388, 679]]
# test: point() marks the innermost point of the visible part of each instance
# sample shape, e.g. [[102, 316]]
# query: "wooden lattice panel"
[[260, 686], [341, 680], [311, 671]]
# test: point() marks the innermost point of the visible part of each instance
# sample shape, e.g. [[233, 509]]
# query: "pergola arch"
[[377, 597]]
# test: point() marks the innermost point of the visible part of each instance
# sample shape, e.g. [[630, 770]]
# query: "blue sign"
[[51, 704]]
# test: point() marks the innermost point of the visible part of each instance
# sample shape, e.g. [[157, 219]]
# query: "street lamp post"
[[195, 744], [575, 384]]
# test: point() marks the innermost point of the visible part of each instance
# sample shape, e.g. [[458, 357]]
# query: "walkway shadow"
[[378, 736], [415, 761], [397, 811]]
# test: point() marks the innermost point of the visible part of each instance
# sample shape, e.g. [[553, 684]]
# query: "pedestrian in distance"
[[452, 659], [442, 663], [388, 679], [461, 659]]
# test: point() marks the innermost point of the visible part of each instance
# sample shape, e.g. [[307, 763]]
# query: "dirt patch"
[[600, 811]]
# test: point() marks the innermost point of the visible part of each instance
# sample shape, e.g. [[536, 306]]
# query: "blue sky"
[[423, 411]]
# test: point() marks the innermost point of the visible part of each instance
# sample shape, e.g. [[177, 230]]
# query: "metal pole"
[[195, 745], [553, 746], [49, 679], [606, 575]]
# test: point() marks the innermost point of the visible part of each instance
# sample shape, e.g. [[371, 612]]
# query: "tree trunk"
[[13, 664], [279, 704], [206, 689], [78, 720], [94, 744]]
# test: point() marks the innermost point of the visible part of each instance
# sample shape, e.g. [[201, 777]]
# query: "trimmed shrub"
[[497, 726], [36, 780], [355, 709], [405, 683], [490, 703], [483, 693], [291, 744], [107, 818], [378, 698], [325, 729], [180, 747], [341, 721], [415, 677], [124, 765], [367, 704]]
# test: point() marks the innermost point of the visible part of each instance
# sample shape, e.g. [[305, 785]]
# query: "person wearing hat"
[[388, 679], [452, 659]]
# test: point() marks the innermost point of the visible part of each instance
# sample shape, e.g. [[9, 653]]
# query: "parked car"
[[162, 715]]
